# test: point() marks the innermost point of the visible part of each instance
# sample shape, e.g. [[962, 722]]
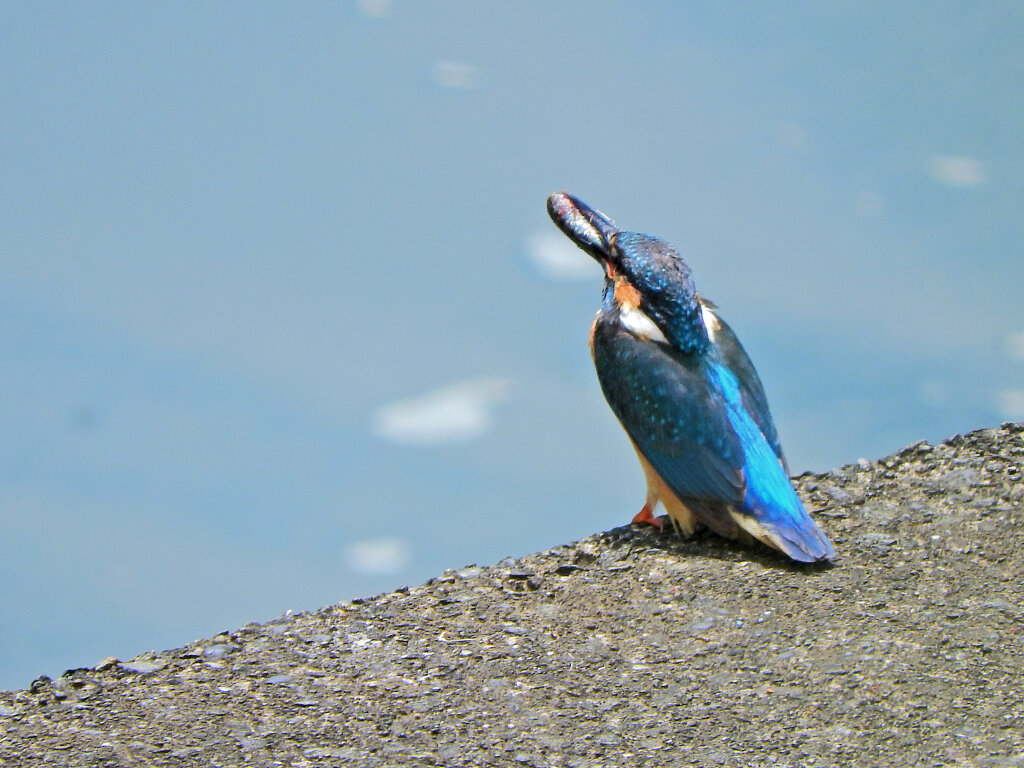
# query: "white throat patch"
[[639, 324]]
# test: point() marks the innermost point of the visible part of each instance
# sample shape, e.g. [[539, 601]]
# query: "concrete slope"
[[627, 648]]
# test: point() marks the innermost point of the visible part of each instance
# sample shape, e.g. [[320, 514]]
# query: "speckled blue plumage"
[[666, 288]]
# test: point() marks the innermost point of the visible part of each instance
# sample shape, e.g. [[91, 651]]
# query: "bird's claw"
[[645, 516]]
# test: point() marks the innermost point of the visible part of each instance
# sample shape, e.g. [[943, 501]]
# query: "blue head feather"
[[668, 295]]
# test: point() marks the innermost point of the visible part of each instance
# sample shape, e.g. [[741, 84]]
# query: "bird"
[[688, 396]]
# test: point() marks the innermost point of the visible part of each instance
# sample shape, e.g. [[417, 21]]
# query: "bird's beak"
[[591, 230]]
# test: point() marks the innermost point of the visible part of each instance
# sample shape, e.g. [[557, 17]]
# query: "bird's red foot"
[[645, 516]]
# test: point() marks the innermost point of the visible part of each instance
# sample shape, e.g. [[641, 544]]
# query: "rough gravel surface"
[[630, 647]]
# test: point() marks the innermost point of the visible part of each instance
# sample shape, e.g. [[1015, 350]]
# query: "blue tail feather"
[[770, 498]]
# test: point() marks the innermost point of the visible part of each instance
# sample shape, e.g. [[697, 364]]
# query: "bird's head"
[[642, 273]]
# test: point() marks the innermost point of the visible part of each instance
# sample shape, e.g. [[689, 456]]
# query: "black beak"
[[591, 230]]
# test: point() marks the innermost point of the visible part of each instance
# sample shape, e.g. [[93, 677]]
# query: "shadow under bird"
[[686, 393]]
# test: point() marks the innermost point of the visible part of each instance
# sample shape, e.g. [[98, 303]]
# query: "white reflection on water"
[[1015, 345], [457, 75], [385, 556], [455, 413], [957, 171], [1011, 403], [557, 258], [375, 9]]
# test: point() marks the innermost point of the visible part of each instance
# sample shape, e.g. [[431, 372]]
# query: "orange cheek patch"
[[626, 294]]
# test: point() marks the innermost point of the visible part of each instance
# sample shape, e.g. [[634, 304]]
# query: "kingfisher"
[[689, 398]]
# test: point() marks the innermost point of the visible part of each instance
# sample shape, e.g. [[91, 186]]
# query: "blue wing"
[[770, 501], [734, 357], [668, 407]]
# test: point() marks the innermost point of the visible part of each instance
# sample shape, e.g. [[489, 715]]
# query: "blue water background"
[[283, 321]]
